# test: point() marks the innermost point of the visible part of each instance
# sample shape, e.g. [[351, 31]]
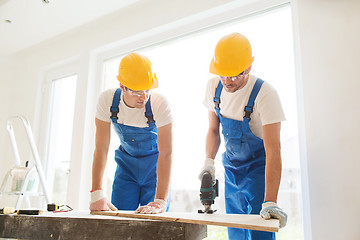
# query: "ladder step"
[[24, 193]]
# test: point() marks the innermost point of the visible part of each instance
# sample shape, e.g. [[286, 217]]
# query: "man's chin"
[[140, 105], [230, 89]]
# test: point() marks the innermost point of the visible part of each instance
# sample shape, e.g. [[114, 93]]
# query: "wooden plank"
[[251, 221], [80, 225]]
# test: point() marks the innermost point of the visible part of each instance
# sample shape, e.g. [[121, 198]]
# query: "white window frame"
[[234, 10], [48, 74]]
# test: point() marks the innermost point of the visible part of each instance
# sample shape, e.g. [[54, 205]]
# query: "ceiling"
[[24, 23]]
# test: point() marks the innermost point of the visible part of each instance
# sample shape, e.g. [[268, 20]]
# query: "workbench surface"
[[82, 225]]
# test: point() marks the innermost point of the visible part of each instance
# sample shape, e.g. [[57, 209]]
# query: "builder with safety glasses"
[[143, 122], [250, 113]]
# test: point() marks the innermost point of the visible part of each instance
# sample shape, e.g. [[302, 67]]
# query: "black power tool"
[[209, 190]]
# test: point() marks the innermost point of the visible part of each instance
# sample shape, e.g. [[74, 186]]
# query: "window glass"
[[60, 135]]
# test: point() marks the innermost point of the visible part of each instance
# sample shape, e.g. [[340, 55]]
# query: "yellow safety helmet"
[[232, 55], [135, 73]]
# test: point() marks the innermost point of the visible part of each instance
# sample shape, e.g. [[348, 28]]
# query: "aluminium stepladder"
[[24, 179]]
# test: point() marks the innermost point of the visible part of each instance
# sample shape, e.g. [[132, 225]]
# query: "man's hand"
[[208, 167], [271, 210], [99, 202], [158, 206]]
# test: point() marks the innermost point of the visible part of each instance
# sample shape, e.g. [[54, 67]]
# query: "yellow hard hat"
[[135, 72], [232, 55]]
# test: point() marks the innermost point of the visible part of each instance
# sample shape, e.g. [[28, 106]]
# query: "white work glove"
[[99, 201], [157, 206], [271, 210], [208, 167]]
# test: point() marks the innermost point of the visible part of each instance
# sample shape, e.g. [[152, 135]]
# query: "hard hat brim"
[[228, 73], [156, 82]]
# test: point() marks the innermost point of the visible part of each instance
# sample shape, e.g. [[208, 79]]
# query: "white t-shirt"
[[134, 116], [267, 107]]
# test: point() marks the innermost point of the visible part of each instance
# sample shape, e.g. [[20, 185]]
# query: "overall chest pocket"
[[139, 141], [236, 145], [231, 133]]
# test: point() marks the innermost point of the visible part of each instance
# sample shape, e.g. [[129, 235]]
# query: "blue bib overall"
[[136, 158], [244, 163]]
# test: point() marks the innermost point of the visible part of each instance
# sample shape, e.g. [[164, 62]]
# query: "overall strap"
[[250, 105], [114, 109], [148, 113], [217, 98]]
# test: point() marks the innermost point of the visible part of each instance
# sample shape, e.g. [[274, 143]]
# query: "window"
[[60, 117], [182, 67]]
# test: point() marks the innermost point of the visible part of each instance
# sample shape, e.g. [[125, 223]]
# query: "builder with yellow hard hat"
[[143, 123], [250, 113]]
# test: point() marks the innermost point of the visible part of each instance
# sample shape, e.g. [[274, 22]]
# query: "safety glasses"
[[234, 78], [138, 93]]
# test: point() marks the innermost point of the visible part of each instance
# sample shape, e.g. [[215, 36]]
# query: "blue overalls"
[[136, 158], [244, 163]]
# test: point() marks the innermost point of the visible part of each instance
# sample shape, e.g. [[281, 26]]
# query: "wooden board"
[[80, 225], [252, 221]]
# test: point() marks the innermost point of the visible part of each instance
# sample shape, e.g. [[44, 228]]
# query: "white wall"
[[329, 63], [6, 87], [327, 38]]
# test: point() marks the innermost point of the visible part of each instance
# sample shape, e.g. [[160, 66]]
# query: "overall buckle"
[[217, 102], [248, 110], [114, 111]]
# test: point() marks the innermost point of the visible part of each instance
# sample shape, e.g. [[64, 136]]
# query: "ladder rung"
[[24, 193]]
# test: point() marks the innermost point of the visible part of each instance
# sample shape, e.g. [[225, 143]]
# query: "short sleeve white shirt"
[[134, 116], [267, 107]]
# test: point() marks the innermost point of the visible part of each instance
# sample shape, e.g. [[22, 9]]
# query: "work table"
[[83, 225]]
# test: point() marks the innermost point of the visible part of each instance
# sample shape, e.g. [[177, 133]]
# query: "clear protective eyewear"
[[138, 93], [233, 78]]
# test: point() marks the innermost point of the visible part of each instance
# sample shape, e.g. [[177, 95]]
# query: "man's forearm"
[[163, 176], [212, 144], [98, 169], [272, 178], [271, 134]]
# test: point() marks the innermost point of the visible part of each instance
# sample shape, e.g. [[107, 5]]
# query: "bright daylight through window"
[[60, 135], [182, 67]]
